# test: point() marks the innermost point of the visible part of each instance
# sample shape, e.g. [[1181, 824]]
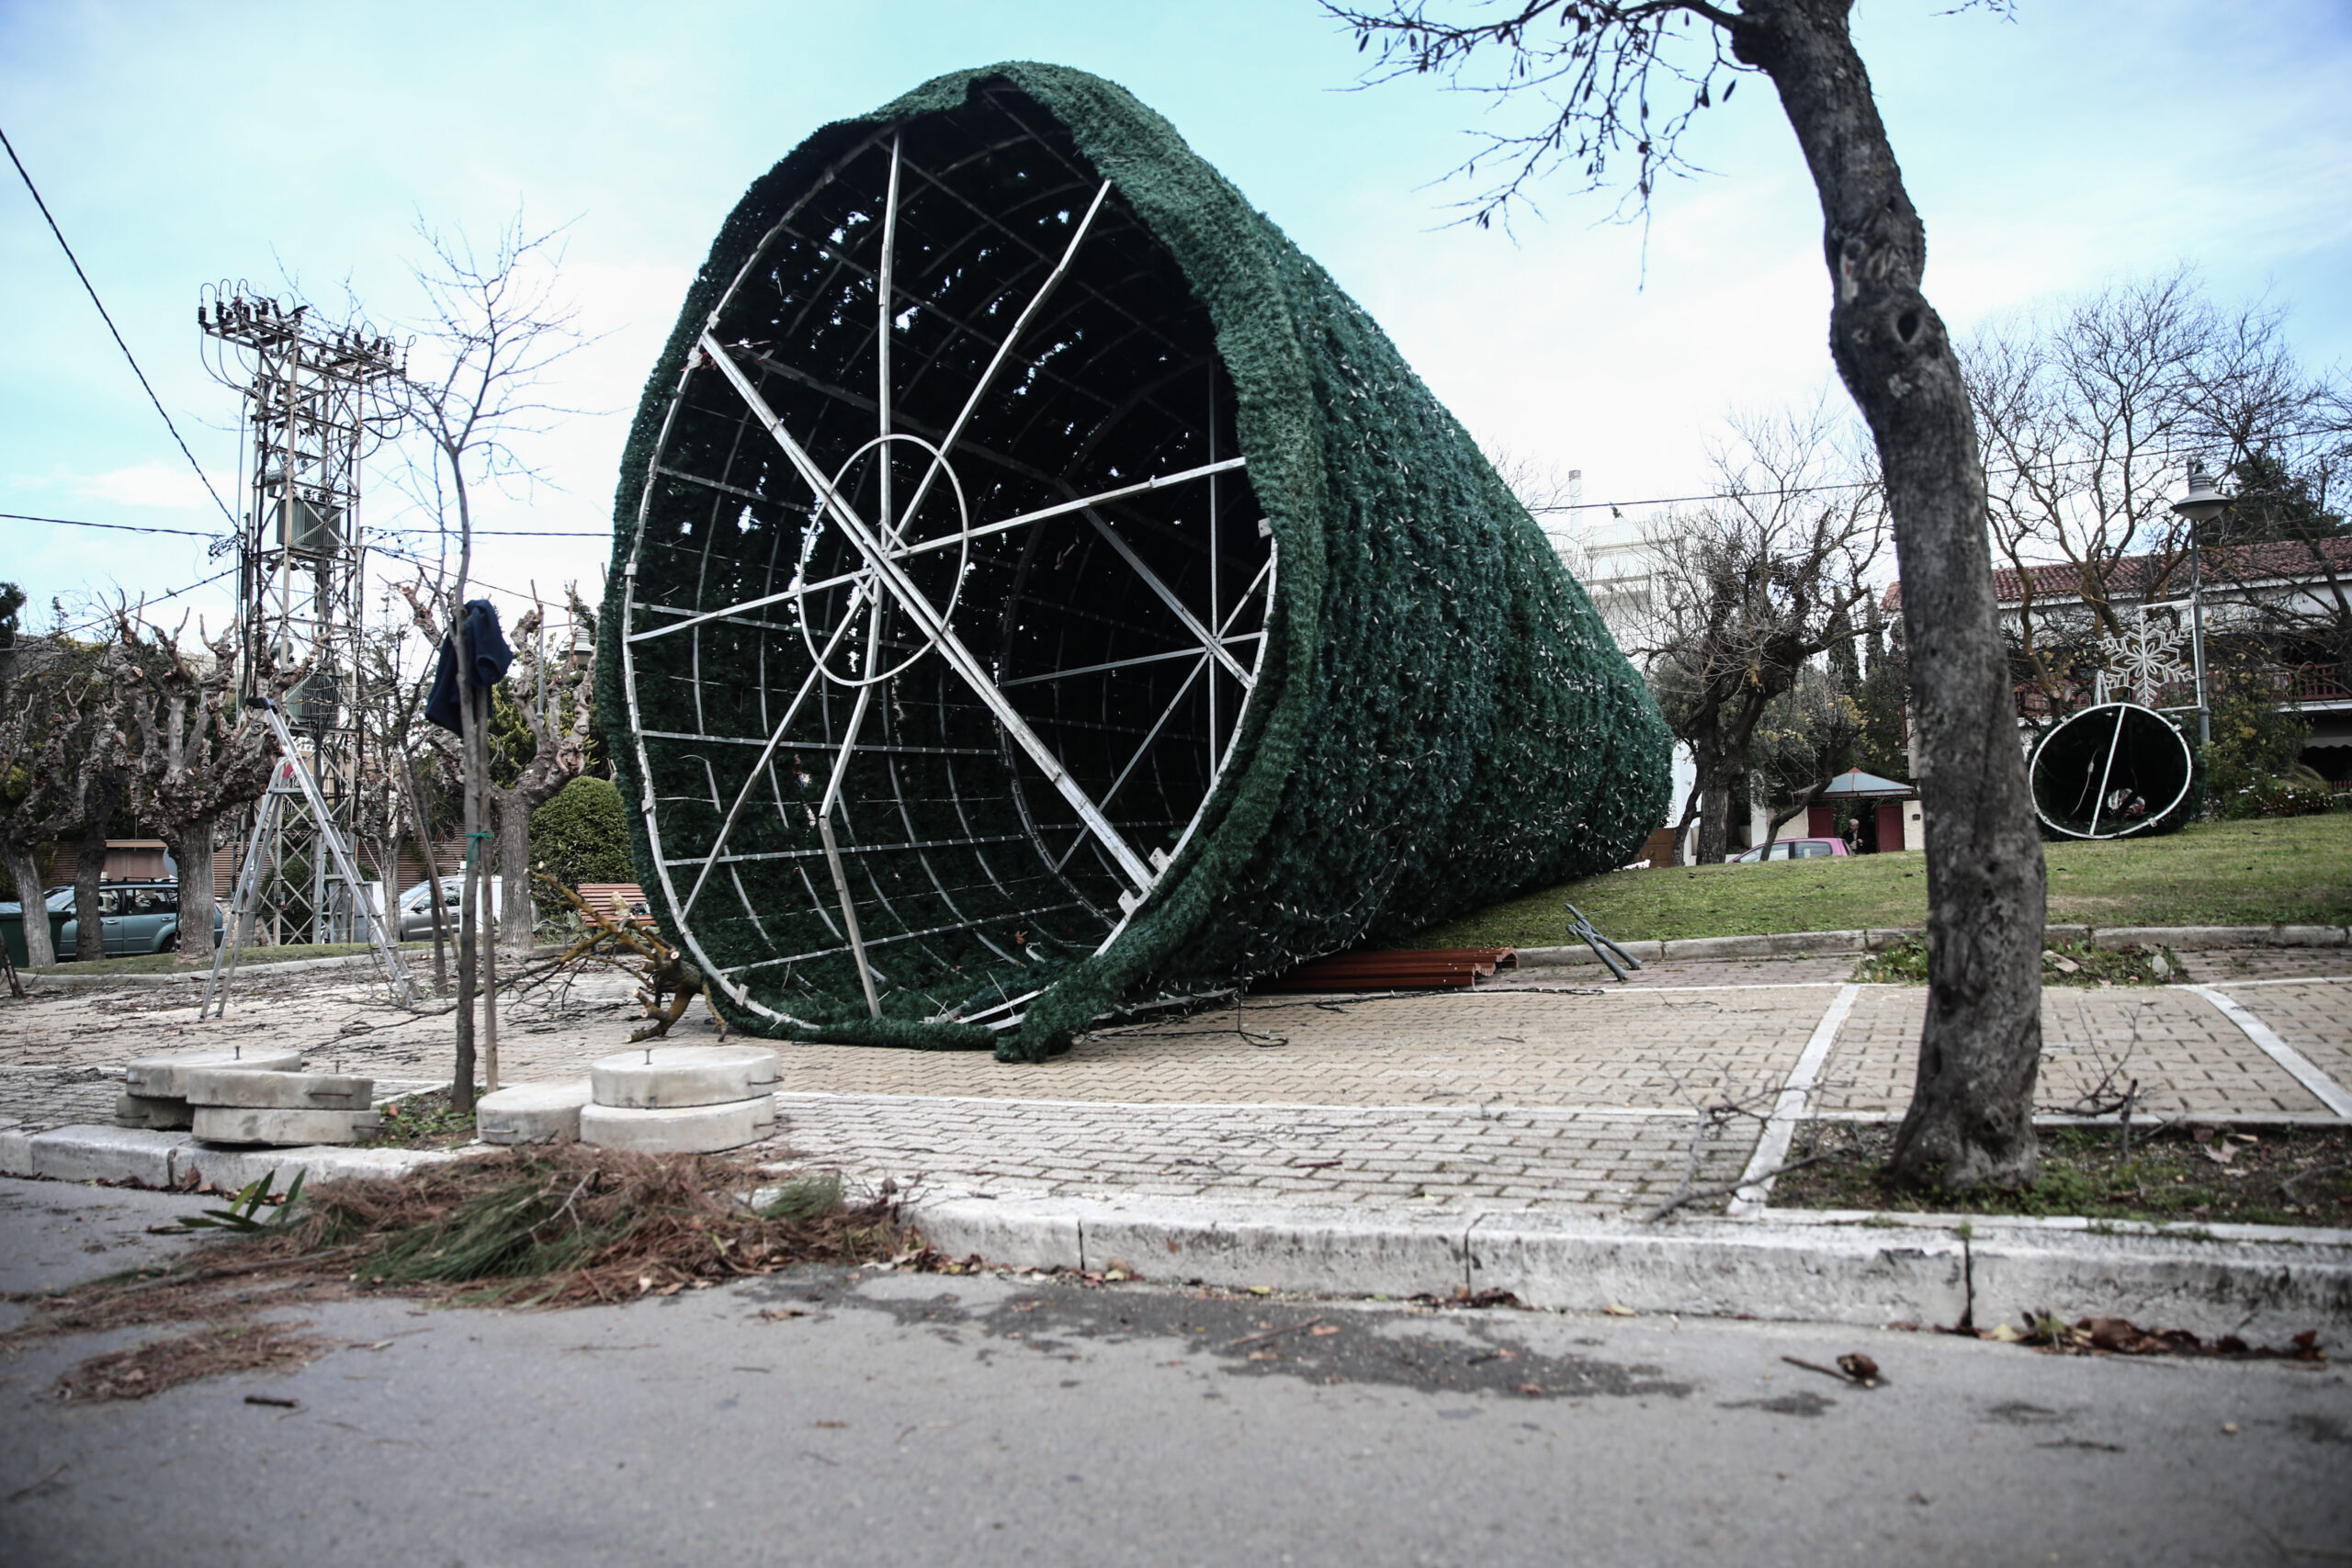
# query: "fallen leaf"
[[1323, 1331], [2006, 1334], [1614, 1310], [2220, 1153], [2229, 1428], [832, 1426]]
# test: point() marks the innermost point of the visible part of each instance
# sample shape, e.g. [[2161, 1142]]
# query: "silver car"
[[417, 908]]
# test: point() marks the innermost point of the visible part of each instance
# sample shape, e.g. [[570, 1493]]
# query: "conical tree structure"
[[1039, 591]]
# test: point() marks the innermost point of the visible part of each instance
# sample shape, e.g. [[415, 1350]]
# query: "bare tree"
[[1746, 591], [493, 334], [2090, 416], [196, 756], [1620, 79]]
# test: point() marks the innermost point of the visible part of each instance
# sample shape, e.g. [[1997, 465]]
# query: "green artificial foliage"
[[1439, 720], [581, 835]]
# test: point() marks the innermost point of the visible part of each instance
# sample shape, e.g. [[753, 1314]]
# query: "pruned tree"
[[544, 709], [1747, 592], [1622, 79], [102, 784], [56, 744], [195, 755], [395, 804]]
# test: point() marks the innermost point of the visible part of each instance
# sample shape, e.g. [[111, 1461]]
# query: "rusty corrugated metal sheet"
[[1409, 969]]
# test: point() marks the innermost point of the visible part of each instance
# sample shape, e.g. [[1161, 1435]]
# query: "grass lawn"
[[2263, 1176], [166, 963], [2295, 869]]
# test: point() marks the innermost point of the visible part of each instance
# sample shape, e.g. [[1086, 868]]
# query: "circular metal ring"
[[868, 581]]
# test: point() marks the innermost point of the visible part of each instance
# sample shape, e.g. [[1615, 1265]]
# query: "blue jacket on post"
[[491, 655]]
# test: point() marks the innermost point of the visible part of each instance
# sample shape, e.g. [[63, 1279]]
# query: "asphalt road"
[[819, 1419]]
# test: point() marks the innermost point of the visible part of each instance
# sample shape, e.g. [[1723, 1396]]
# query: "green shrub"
[[2256, 742], [581, 835], [2282, 797]]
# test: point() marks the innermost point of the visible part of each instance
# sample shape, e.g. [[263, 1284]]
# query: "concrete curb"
[[2263, 1283], [1822, 945], [1867, 1271], [169, 1159], [246, 971]]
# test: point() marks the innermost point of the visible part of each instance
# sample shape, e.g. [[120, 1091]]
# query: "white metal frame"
[[2123, 712]]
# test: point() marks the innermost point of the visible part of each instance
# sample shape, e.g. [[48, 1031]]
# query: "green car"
[[138, 917]]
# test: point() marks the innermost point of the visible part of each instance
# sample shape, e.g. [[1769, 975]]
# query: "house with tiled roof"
[[2286, 605]]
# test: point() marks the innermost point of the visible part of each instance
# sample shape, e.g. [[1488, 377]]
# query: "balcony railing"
[[2294, 686]]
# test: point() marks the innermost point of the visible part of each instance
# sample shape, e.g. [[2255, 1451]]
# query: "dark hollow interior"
[[2140, 760], [971, 876]]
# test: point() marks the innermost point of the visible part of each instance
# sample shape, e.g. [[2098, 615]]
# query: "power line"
[[117, 527], [198, 534], [91, 291], [538, 534], [2084, 462], [472, 579]]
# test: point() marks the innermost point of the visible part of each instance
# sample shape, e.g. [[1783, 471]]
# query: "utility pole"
[[312, 407]]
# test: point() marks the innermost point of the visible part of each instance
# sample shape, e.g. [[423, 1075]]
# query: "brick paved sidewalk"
[[1548, 1092]]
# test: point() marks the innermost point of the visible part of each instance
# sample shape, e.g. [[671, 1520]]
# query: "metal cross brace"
[[1581, 926]]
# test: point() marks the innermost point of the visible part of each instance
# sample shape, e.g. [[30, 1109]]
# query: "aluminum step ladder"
[[292, 789]]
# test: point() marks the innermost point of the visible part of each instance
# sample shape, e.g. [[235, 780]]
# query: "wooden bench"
[[1409, 969], [619, 903]]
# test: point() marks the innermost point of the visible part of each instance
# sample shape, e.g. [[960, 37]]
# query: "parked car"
[[1795, 849], [417, 908], [137, 918]]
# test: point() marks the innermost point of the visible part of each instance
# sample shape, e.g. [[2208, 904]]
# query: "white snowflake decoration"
[[2144, 660]]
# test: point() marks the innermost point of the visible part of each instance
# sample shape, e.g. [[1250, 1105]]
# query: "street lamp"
[[2199, 506]]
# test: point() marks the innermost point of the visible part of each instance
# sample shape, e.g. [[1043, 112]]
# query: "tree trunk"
[[512, 819], [1680, 855], [461, 1092], [1715, 820], [486, 947], [24, 870], [89, 932], [193, 849], [1971, 1115]]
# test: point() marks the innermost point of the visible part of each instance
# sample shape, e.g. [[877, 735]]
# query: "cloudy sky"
[[2083, 142]]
